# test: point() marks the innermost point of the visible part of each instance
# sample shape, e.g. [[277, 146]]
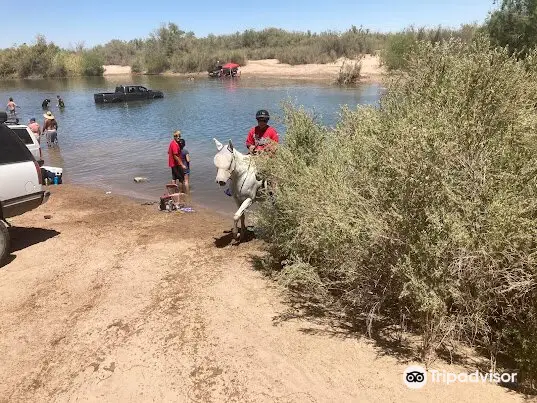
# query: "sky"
[[70, 22]]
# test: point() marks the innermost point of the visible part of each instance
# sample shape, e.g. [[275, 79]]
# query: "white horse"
[[240, 168]]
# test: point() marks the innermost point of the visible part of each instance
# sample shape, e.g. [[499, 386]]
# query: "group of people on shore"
[[261, 138], [50, 124]]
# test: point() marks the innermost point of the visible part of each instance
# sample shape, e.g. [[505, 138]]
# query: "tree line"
[[169, 48]]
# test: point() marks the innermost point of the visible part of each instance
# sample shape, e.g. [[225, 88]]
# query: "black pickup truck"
[[126, 93]]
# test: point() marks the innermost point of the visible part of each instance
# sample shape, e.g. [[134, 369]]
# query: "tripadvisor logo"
[[415, 377]]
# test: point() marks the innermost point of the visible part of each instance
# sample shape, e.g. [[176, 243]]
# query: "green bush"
[[398, 48], [92, 64], [514, 25], [137, 66], [44, 59], [155, 59], [420, 213]]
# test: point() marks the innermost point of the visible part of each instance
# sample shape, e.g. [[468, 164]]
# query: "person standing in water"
[[36, 129], [185, 157], [175, 162], [11, 107], [50, 127], [61, 104]]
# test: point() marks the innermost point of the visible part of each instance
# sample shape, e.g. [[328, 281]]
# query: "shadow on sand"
[[388, 338], [23, 237], [227, 238]]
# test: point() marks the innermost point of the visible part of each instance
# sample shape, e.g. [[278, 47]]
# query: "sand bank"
[[107, 299]]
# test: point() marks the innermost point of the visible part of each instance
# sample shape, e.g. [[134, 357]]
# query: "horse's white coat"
[[240, 168]]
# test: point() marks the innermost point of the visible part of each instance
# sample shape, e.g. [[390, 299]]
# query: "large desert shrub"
[[73, 64], [349, 73], [92, 63], [420, 212]]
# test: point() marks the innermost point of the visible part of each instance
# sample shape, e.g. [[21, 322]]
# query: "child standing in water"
[[185, 157]]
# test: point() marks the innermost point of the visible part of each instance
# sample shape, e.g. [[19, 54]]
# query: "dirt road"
[[111, 300]]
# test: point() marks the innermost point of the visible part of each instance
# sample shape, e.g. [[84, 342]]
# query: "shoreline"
[[372, 70], [144, 198]]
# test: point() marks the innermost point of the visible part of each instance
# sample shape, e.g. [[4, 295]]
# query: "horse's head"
[[224, 161]]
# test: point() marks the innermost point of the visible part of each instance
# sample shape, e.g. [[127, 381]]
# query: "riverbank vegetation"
[[420, 213], [45, 59], [171, 49]]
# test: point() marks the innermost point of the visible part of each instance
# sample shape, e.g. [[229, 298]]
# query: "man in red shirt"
[[261, 137], [174, 160]]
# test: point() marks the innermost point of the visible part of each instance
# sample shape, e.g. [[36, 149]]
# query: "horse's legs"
[[234, 230], [243, 227], [240, 214]]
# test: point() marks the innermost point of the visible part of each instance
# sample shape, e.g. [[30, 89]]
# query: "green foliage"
[[118, 52], [514, 25], [92, 64], [169, 47], [155, 59], [45, 59], [421, 212], [399, 45]]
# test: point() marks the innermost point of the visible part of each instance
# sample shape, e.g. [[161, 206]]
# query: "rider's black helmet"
[[262, 114]]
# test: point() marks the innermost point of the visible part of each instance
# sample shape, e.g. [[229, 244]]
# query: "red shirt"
[[260, 139], [174, 148]]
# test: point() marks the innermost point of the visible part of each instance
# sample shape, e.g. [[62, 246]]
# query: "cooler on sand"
[[51, 175]]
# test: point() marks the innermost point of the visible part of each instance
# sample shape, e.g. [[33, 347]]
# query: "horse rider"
[[262, 140], [261, 137]]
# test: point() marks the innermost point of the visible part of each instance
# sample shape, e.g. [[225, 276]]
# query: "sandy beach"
[[107, 299], [115, 70], [372, 71]]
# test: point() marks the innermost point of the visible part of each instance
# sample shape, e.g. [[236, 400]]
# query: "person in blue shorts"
[[185, 157]]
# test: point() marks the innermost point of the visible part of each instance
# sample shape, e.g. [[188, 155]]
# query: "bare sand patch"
[[114, 70], [111, 300], [371, 69]]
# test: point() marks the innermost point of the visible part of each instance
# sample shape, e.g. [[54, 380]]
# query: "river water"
[[108, 145]]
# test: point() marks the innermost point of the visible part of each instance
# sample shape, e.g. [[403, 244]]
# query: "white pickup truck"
[[21, 187]]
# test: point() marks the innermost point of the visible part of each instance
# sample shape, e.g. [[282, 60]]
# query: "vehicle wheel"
[[4, 243]]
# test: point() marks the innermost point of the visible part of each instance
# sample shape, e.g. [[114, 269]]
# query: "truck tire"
[[4, 243]]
